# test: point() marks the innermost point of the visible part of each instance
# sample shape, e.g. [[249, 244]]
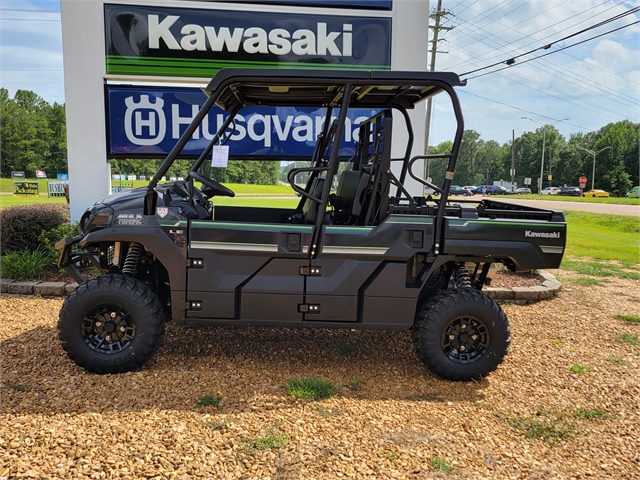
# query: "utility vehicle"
[[358, 250]]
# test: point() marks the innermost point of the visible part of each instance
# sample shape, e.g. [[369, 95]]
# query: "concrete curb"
[[526, 295], [518, 295]]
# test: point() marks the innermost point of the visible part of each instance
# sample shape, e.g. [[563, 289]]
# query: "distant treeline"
[[485, 161]]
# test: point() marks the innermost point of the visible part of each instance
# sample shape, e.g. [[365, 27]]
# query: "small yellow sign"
[[26, 189], [549, 177]]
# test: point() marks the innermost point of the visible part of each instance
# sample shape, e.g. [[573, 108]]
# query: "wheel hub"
[[108, 328], [465, 339]]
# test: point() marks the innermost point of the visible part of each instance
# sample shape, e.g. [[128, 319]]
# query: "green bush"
[[25, 265], [21, 226], [49, 238], [311, 387]]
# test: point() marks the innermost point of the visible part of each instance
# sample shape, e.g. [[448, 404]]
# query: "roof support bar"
[[333, 168]]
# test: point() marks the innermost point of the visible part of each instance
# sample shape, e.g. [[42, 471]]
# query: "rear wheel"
[[461, 334], [111, 324]]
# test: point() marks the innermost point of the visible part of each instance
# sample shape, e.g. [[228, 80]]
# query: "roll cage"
[[362, 196]]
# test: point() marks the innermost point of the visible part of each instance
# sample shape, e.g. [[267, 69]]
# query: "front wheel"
[[111, 324], [461, 334]]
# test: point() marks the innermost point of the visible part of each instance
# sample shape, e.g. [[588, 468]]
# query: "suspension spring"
[[133, 257]]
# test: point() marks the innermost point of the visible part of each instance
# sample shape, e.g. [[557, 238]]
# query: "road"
[[606, 208]]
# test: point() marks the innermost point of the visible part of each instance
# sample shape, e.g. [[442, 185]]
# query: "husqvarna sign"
[[197, 42], [147, 122]]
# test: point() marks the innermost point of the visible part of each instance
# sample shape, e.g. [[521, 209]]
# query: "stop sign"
[[583, 181]]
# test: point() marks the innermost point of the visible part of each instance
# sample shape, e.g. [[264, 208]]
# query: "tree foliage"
[[481, 161], [33, 134]]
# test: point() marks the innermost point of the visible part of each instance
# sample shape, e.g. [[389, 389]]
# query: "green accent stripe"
[[127, 60], [348, 230], [249, 226], [464, 223], [172, 223], [409, 219], [204, 67], [258, 247]]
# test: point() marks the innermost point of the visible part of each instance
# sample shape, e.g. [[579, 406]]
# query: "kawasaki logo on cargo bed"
[[530, 234]]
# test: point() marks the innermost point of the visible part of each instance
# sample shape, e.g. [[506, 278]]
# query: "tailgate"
[[530, 244]]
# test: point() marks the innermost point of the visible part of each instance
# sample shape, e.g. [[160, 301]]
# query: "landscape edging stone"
[[527, 295]]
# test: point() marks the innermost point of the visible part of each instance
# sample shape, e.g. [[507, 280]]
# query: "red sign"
[[40, 174], [583, 181]]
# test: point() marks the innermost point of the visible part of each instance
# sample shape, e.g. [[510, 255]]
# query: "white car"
[[470, 187], [551, 191]]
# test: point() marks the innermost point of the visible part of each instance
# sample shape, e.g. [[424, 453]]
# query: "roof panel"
[[312, 88]]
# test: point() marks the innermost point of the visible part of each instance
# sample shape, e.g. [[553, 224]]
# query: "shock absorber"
[[133, 256]]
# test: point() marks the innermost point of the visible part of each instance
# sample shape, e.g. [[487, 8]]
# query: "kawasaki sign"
[[198, 42]]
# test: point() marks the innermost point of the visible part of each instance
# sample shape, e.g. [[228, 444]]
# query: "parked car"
[[550, 191], [457, 191], [523, 191], [490, 190], [571, 191], [634, 193], [595, 193], [471, 188]]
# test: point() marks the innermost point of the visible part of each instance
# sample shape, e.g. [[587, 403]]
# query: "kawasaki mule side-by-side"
[[358, 251]]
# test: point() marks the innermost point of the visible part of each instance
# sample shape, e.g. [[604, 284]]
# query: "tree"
[[33, 134]]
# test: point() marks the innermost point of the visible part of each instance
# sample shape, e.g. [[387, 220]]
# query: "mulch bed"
[[562, 405]]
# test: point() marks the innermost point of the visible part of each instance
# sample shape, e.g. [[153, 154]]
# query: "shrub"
[[25, 265], [49, 238], [21, 226]]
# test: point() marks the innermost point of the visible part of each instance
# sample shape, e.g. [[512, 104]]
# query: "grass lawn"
[[603, 237], [8, 200]]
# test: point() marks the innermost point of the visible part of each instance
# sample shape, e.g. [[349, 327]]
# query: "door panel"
[[240, 269], [351, 260]]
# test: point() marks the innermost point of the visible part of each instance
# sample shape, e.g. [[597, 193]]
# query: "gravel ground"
[[390, 419]]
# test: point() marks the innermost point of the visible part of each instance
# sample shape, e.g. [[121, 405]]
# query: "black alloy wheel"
[[461, 334], [111, 324]]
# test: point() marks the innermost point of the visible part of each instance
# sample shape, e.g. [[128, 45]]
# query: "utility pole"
[[593, 174], [513, 159], [544, 133], [436, 16]]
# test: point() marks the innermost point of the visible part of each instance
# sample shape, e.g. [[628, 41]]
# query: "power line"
[[512, 60], [544, 55], [565, 72], [520, 109], [562, 98], [28, 10], [478, 58], [31, 19]]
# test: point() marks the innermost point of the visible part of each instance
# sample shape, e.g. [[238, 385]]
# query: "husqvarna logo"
[[144, 122]]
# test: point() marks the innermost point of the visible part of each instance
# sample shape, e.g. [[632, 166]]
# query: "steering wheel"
[[214, 187]]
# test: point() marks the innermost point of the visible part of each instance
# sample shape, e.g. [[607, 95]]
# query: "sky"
[[579, 89]]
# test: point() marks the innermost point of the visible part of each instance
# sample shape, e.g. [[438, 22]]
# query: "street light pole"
[[593, 174], [544, 133]]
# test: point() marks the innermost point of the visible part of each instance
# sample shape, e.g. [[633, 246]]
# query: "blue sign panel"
[[147, 122]]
